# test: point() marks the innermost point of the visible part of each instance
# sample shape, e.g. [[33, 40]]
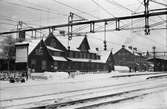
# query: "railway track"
[[67, 99], [93, 102], [77, 96]]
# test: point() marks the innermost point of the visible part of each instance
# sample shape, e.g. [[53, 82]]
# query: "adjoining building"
[[160, 62], [131, 58], [52, 54], [7, 64]]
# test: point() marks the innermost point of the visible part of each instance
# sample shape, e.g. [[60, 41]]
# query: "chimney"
[[21, 36], [123, 46], [130, 47], [97, 49], [135, 49]]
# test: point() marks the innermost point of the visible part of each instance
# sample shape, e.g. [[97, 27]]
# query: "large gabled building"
[[52, 54], [160, 62], [127, 56]]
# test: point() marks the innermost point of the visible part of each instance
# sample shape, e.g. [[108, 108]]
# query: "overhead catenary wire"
[[119, 5], [83, 12], [33, 8], [158, 3], [108, 12], [7, 23], [44, 8]]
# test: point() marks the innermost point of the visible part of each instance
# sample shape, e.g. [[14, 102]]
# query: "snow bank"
[[122, 68], [50, 75], [56, 75]]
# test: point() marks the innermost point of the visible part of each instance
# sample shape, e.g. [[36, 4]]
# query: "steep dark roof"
[[84, 45], [52, 41]]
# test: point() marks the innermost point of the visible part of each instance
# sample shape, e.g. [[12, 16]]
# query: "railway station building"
[[52, 54]]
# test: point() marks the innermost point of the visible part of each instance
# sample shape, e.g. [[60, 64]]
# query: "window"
[[71, 54], [33, 62], [77, 55], [52, 43], [88, 55], [44, 64], [82, 55], [57, 53], [74, 54]]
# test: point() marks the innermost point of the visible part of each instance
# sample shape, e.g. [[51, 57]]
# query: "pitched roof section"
[[53, 49], [131, 51], [32, 44], [52, 41], [74, 43], [84, 46], [104, 55]]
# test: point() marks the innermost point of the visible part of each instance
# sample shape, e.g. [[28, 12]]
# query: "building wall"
[[125, 58], [39, 59]]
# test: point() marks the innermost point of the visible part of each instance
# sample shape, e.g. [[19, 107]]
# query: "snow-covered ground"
[[156, 100], [60, 83]]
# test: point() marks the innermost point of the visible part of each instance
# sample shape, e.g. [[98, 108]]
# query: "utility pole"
[[146, 12], [154, 56], [166, 28]]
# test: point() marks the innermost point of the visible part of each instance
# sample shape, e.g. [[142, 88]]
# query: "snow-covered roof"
[[22, 43], [53, 49], [80, 59], [75, 42], [32, 44], [58, 58], [134, 52], [86, 60], [104, 55]]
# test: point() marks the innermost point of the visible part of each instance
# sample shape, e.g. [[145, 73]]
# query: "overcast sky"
[[38, 13]]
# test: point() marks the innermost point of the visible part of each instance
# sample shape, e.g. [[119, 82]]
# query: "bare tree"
[[8, 48]]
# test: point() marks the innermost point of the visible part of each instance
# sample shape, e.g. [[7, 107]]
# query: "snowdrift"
[[50, 75], [122, 68]]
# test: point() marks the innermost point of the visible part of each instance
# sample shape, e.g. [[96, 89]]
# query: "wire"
[[75, 9], [114, 43], [50, 10], [8, 18], [102, 8], [157, 43], [7, 23], [138, 7], [159, 3], [34, 8], [117, 4]]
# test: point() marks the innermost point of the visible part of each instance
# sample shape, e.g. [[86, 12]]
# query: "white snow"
[[59, 58], [121, 68], [56, 75], [59, 82], [156, 100]]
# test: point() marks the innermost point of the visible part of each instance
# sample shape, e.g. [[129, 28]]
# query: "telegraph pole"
[[154, 57], [166, 29], [146, 12]]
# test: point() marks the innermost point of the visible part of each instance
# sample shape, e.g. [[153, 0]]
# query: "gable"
[[84, 46], [40, 50], [110, 59], [52, 41], [123, 51]]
